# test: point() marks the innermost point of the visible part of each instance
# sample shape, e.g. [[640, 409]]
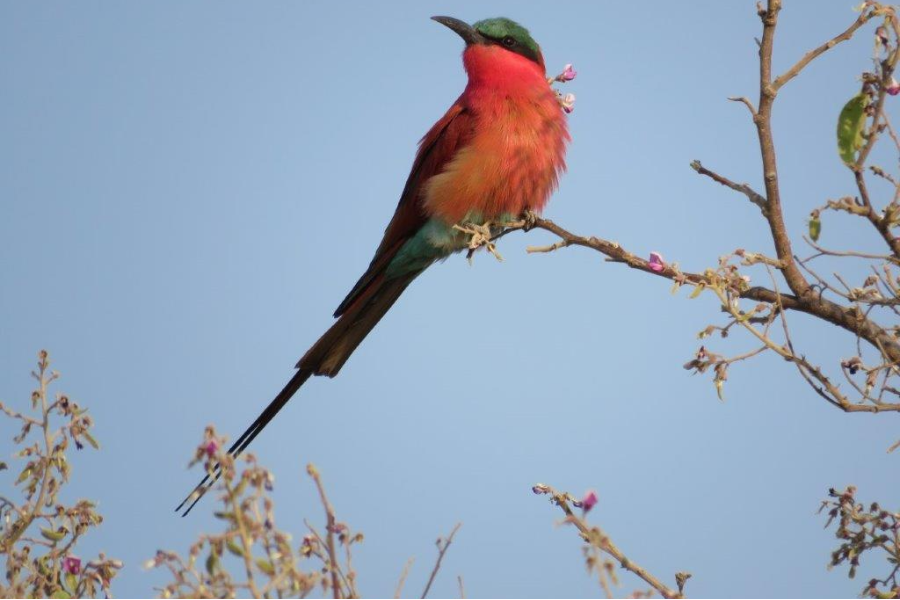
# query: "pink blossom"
[[337, 528], [71, 565], [211, 447], [568, 73], [589, 500], [568, 102], [656, 262], [894, 88]]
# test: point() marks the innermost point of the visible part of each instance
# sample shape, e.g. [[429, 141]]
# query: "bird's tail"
[[326, 357]]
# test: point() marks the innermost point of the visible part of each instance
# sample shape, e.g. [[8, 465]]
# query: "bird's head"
[[499, 40]]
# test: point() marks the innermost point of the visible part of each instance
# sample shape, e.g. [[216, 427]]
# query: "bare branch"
[[746, 101], [846, 253], [810, 56], [812, 303], [329, 528], [763, 122], [595, 537], [442, 545], [743, 188], [403, 575]]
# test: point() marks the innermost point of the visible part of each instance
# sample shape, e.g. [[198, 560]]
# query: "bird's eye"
[[509, 41]]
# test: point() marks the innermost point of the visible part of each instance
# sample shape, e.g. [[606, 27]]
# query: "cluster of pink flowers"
[[567, 102]]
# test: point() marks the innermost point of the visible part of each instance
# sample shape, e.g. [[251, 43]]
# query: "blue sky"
[[188, 190]]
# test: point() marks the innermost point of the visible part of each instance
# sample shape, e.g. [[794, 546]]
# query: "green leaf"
[[72, 582], [850, 127], [815, 228], [212, 563], [265, 566], [60, 594], [54, 536], [719, 386], [43, 565], [91, 440], [698, 289], [234, 548], [26, 473]]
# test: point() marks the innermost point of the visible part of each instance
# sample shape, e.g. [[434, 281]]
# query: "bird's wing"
[[450, 134]]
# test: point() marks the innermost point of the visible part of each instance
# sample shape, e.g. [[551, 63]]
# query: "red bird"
[[494, 156]]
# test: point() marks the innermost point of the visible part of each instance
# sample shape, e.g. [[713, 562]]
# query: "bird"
[[495, 155]]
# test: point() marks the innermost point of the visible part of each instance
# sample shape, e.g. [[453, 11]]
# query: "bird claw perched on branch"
[[479, 235], [529, 218]]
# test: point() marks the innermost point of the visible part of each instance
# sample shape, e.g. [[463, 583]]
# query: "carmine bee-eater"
[[497, 154]]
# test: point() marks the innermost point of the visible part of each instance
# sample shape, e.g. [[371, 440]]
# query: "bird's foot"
[[479, 235], [529, 217]]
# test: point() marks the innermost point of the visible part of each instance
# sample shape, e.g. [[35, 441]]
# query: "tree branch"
[[763, 121], [442, 545], [813, 304], [743, 188], [813, 54], [596, 538]]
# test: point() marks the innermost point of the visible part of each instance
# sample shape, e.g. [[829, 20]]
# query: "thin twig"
[[746, 101], [442, 549], [846, 253], [403, 576], [743, 188], [330, 522], [599, 540], [246, 540], [813, 54]]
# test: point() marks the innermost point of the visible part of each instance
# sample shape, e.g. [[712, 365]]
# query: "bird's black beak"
[[468, 33]]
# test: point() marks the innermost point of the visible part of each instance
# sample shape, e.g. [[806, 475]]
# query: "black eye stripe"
[[513, 45]]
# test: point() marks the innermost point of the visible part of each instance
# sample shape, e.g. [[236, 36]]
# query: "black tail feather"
[[326, 357], [247, 437]]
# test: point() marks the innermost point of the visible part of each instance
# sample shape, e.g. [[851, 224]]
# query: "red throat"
[[495, 67]]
